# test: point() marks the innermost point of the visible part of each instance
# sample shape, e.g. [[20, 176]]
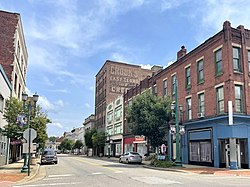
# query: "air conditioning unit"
[[200, 115]]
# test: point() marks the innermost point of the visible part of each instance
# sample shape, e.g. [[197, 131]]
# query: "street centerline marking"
[[63, 175], [99, 165]]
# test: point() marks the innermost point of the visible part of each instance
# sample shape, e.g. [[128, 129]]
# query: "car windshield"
[[48, 153], [134, 153]]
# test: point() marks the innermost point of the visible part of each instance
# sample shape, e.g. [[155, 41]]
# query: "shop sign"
[[140, 138]]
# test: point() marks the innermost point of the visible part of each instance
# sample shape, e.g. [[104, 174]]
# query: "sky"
[[68, 41]]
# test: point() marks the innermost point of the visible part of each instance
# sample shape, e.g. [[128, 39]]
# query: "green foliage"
[[11, 111], [52, 139], [78, 144], [67, 144], [161, 163], [148, 115], [88, 137], [98, 139], [13, 108]]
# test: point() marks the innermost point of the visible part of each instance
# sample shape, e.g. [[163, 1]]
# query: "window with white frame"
[[118, 113], [1, 103], [110, 130], [200, 71], [189, 108], [238, 99], [218, 61], [154, 89], [220, 100], [118, 128], [165, 87], [236, 59], [173, 84], [110, 117], [201, 103], [188, 77], [249, 61]]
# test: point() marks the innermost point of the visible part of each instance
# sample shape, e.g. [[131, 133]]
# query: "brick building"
[[114, 79], [13, 52], [210, 78]]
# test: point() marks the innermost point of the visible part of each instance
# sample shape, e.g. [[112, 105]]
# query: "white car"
[[131, 157]]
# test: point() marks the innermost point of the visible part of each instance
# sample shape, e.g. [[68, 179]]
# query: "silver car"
[[130, 157]]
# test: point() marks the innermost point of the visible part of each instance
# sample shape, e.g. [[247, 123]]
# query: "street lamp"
[[177, 129], [26, 166]]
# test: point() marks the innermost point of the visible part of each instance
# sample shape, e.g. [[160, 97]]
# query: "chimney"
[[182, 52]]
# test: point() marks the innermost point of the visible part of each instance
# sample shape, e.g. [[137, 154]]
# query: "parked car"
[[49, 156], [131, 157]]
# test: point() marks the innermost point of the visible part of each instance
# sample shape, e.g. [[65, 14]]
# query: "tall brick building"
[[13, 52], [213, 82], [114, 79]]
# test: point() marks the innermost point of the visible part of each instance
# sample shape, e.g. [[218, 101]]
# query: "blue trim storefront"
[[213, 142]]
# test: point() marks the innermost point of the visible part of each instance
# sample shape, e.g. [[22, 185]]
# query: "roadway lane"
[[82, 171]]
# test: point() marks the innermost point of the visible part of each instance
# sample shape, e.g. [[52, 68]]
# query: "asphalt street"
[[83, 171]]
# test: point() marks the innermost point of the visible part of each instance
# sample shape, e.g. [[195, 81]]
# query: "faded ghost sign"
[[121, 79]]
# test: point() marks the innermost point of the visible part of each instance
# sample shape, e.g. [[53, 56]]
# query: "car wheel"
[[127, 161], [56, 162], [120, 160]]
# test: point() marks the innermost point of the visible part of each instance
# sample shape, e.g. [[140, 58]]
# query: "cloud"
[[57, 124], [87, 105], [46, 105], [213, 13], [170, 4], [147, 66]]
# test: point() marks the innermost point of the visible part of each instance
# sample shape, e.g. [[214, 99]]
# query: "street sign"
[[26, 148], [21, 120], [33, 134]]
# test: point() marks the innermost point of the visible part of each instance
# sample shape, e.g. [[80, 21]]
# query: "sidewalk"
[[11, 173], [191, 168]]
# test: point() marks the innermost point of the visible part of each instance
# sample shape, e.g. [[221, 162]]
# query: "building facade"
[[114, 127], [114, 79], [213, 90], [13, 51], [5, 92], [89, 122]]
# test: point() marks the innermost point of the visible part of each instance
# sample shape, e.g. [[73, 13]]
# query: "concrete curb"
[[165, 169], [29, 178]]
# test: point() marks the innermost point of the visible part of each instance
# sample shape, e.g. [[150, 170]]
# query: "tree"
[[88, 137], [52, 139], [98, 140], [13, 108], [67, 144], [148, 115], [78, 144]]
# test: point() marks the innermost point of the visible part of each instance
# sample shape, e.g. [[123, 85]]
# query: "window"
[[118, 113], [188, 77], [1, 103], [236, 59], [110, 117], [238, 99], [201, 103], [110, 130], [220, 100], [188, 109], [165, 88], [15, 83], [218, 62], [118, 128], [18, 50], [249, 62], [200, 71], [173, 84], [154, 89]]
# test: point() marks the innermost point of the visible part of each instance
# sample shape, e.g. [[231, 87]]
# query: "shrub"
[[161, 163]]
